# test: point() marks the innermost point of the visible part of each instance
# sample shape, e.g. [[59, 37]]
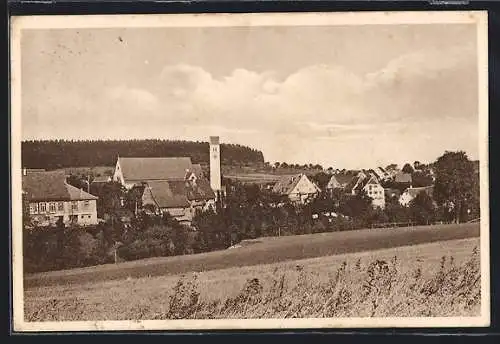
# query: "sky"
[[355, 96]]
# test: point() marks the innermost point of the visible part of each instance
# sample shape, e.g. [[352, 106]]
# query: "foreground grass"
[[262, 251], [438, 279]]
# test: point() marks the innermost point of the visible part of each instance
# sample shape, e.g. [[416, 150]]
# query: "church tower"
[[215, 173]]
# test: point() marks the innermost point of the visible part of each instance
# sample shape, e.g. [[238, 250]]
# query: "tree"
[[323, 203], [356, 206], [416, 165], [420, 178], [321, 179], [422, 209], [407, 168], [454, 184], [391, 167], [395, 211], [277, 164], [133, 198], [77, 182]]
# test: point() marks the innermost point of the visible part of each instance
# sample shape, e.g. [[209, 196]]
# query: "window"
[[86, 204], [43, 207], [74, 205], [60, 206], [33, 208], [52, 207]]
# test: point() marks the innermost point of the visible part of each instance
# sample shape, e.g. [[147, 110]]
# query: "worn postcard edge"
[[19, 23]]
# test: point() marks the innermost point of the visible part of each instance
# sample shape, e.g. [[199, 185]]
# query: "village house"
[[52, 200], [370, 185], [298, 188], [174, 185], [382, 174], [338, 181], [410, 193], [392, 171]]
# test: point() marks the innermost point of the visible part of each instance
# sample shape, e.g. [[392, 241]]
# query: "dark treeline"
[[54, 154]]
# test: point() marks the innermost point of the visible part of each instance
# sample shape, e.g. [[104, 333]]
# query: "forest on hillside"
[[54, 154]]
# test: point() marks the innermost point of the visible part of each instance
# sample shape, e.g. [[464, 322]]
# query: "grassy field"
[[435, 279], [262, 251]]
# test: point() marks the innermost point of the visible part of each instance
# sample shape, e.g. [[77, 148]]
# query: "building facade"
[[52, 201], [376, 192]]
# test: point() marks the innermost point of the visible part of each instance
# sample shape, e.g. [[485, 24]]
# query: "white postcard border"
[[248, 19]]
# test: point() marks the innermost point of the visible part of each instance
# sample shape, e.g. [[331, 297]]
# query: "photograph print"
[[223, 171]]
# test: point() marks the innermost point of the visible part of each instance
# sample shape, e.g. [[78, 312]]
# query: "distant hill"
[[54, 154]]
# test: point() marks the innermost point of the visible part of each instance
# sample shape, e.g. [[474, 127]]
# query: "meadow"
[[260, 251], [433, 279]]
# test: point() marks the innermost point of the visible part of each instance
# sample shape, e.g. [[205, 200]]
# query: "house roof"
[[165, 196], [52, 186], [77, 194], [200, 190], [360, 181], [402, 177], [365, 181], [352, 183], [178, 193], [286, 183], [142, 169], [372, 180], [343, 179], [413, 192]]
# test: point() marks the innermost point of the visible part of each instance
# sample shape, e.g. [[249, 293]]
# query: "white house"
[[375, 191], [410, 193], [370, 184]]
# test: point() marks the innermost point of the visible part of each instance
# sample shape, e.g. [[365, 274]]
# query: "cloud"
[[430, 63], [328, 100], [293, 118], [133, 96]]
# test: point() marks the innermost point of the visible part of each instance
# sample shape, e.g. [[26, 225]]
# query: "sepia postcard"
[[250, 171]]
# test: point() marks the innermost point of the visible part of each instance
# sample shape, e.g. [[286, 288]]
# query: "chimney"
[[215, 173]]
